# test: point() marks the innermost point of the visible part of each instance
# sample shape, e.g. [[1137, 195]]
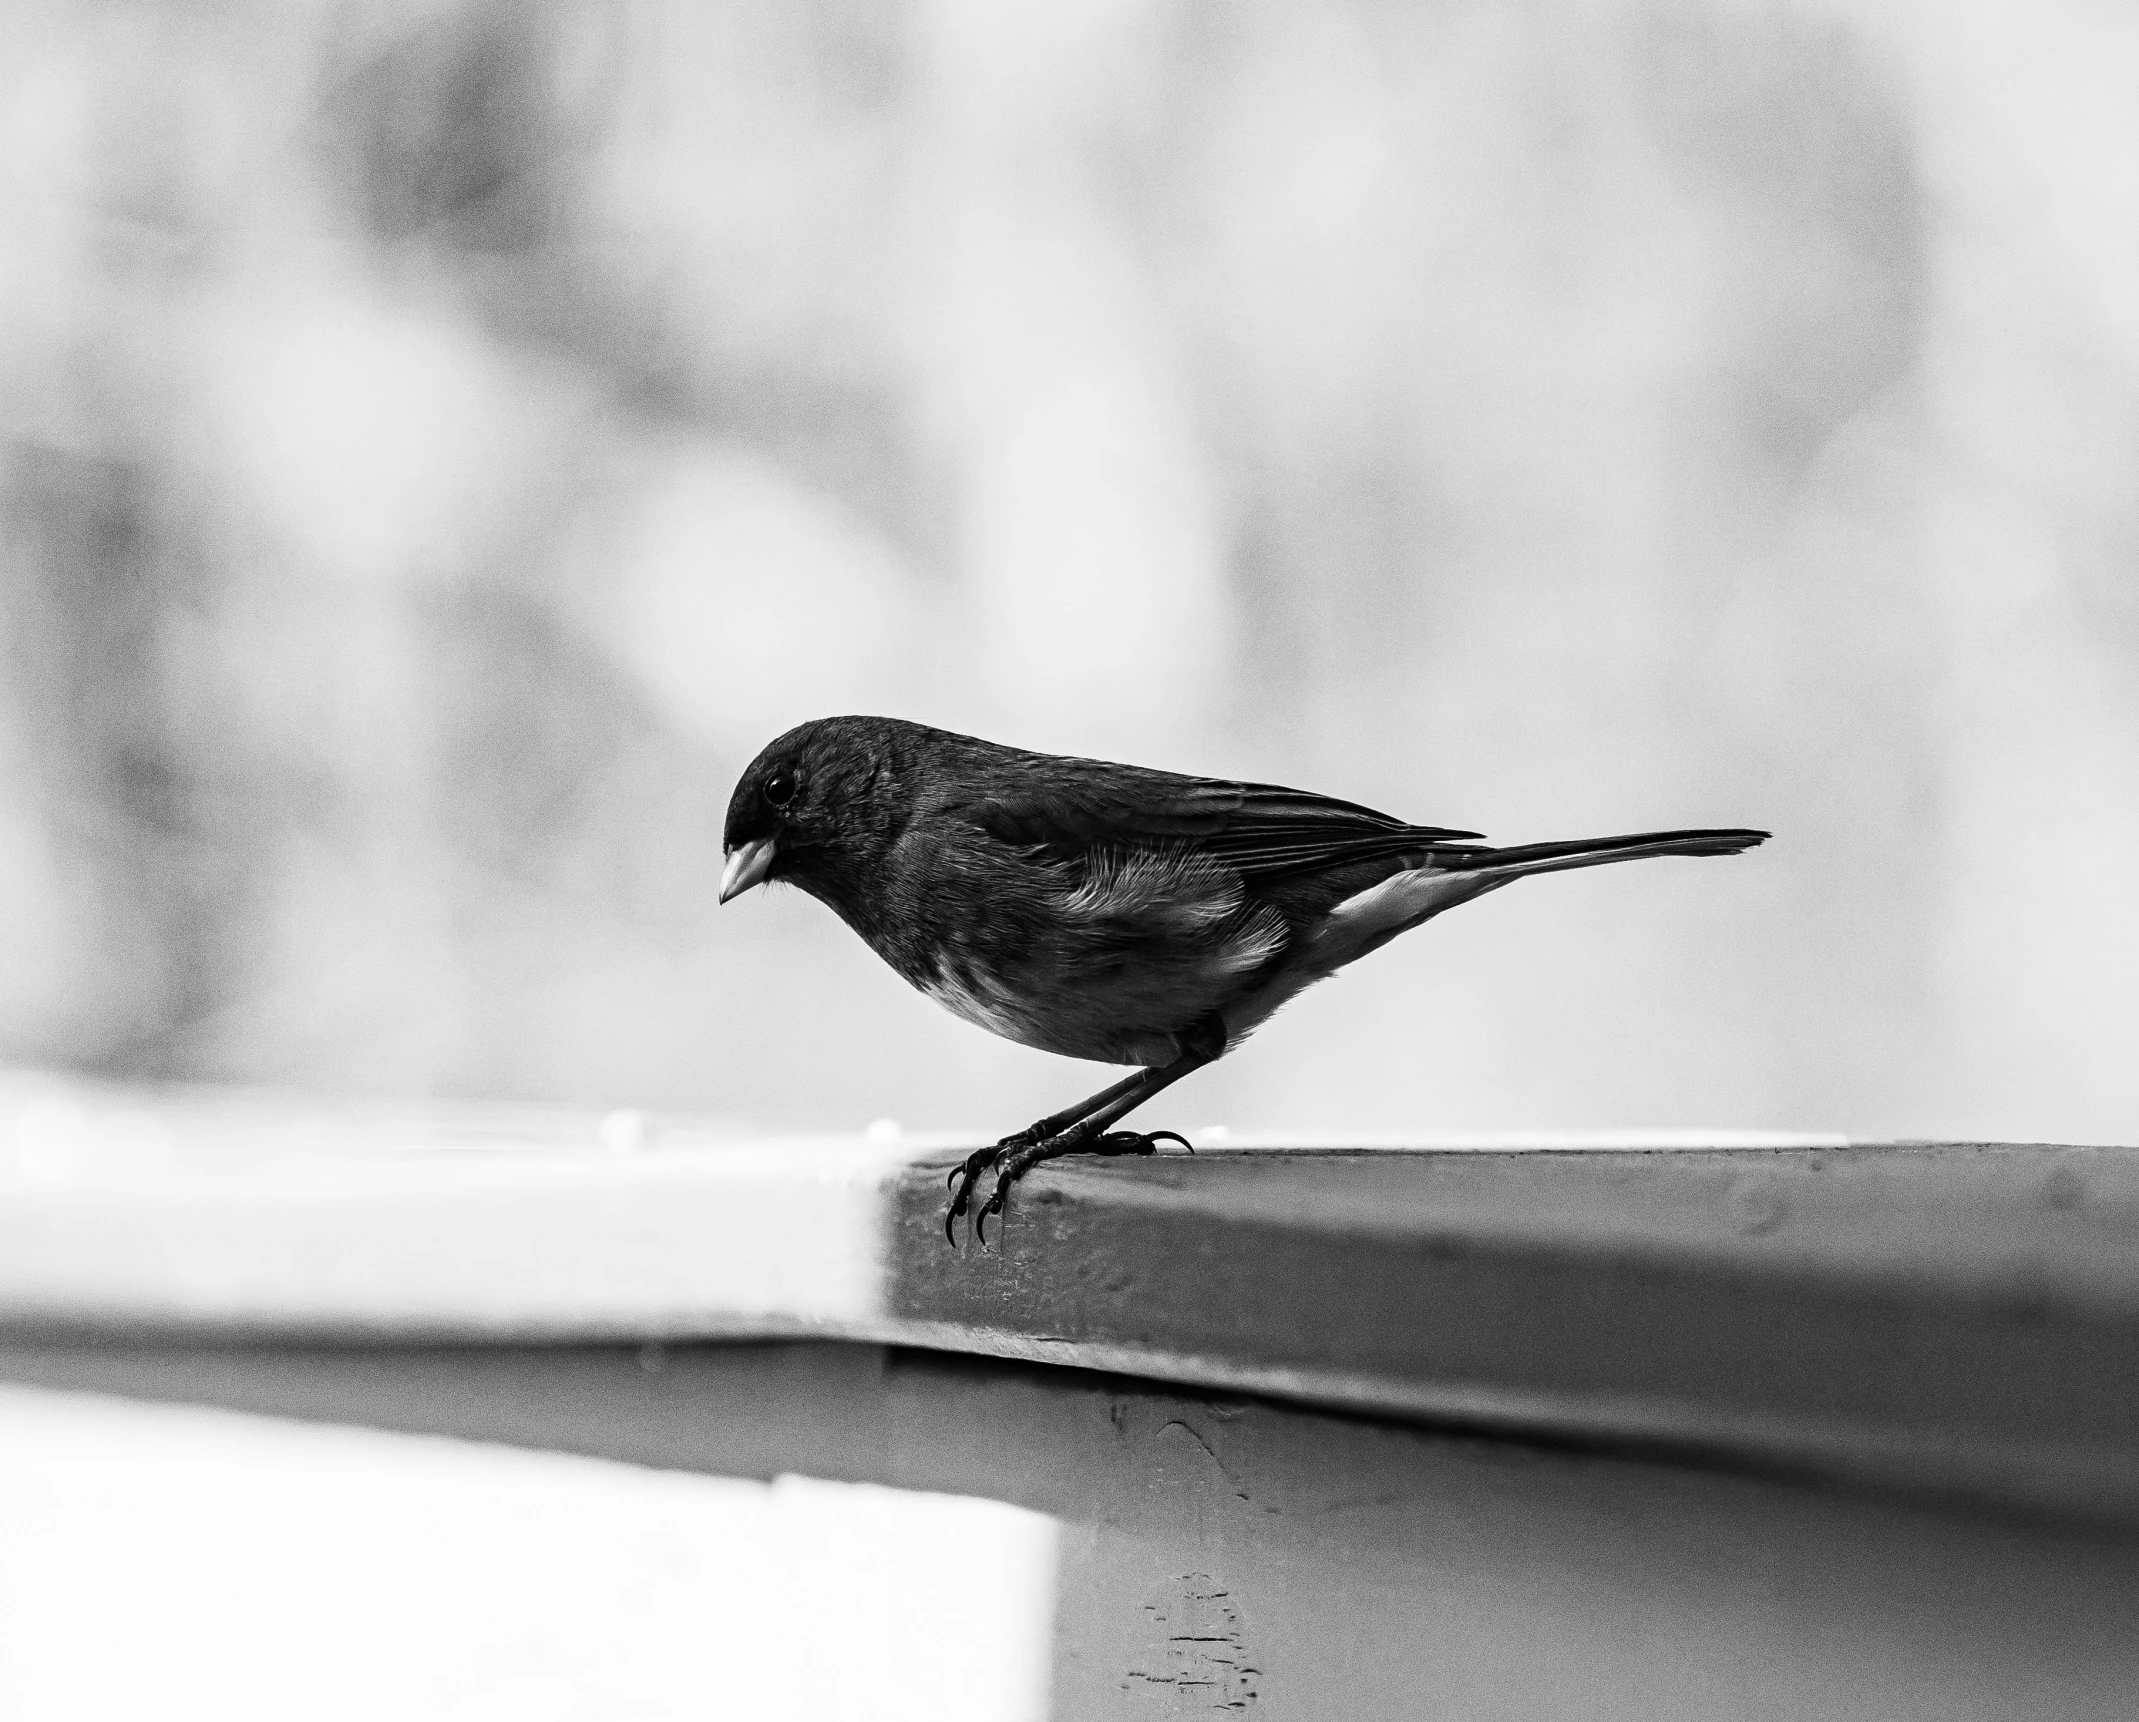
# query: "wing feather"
[[1257, 828]]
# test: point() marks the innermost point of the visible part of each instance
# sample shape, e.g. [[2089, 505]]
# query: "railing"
[[1559, 1428]]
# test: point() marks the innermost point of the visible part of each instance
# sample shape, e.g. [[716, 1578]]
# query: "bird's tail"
[[1596, 851]]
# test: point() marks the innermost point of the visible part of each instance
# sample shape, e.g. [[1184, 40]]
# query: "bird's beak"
[[748, 863]]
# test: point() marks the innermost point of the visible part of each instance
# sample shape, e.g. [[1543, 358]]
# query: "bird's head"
[[817, 808]]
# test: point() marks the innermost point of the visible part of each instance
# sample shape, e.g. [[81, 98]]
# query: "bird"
[[1107, 912]]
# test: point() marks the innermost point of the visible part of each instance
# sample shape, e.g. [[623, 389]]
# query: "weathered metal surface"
[[1945, 1316]]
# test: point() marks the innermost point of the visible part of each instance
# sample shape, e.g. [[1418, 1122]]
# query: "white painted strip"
[[169, 1562], [254, 1214]]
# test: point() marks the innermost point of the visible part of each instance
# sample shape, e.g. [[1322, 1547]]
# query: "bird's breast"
[[1112, 958]]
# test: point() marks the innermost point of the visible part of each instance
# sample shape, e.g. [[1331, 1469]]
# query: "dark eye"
[[780, 788]]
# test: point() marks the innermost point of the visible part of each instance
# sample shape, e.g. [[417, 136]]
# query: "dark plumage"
[[1104, 911]]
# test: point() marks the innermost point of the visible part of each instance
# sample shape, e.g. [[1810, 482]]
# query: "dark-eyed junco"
[[1104, 911]]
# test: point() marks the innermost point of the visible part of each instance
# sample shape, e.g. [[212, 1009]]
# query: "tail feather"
[[1596, 851]]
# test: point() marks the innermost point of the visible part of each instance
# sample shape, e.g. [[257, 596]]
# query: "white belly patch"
[[964, 1000]]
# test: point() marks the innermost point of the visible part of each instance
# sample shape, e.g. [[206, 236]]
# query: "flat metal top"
[[1957, 1316]]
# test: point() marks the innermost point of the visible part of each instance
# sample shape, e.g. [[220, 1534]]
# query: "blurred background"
[[441, 443]]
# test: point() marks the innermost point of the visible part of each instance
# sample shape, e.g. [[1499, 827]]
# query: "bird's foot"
[[967, 1173], [1014, 1156]]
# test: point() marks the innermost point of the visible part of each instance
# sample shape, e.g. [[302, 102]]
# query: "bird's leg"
[[966, 1174], [1089, 1133]]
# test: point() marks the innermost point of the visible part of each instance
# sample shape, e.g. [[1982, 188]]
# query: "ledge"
[[1954, 1317]]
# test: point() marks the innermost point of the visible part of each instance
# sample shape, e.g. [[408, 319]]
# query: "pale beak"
[[748, 863]]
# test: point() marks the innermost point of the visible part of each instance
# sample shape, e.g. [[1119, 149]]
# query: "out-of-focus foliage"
[[439, 443]]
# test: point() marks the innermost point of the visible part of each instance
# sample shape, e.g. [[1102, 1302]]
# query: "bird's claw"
[[1139, 1141], [963, 1177], [998, 1198]]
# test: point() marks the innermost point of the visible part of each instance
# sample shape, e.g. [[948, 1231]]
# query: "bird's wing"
[[1259, 828]]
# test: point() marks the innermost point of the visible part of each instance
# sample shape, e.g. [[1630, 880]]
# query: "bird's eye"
[[780, 788]]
